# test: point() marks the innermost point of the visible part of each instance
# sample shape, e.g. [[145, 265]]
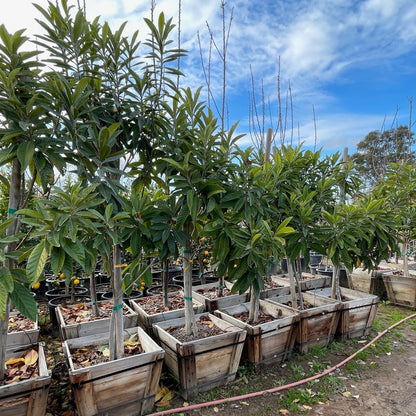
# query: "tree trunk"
[[190, 323], [15, 199], [298, 285], [165, 283], [292, 283], [116, 325], [93, 291], [335, 293], [253, 314]]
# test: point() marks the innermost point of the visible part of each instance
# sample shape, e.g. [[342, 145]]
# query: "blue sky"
[[354, 62]]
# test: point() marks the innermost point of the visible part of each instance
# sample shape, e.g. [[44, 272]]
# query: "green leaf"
[[6, 279], [36, 262], [25, 153], [24, 301], [74, 250], [3, 301], [57, 259]]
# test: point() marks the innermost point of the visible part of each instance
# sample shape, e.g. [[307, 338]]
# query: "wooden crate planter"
[[268, 341], [367, 282], [214, 303], [309, 281], [25, 337], [92, 327], [28, 397], [357, 313], [273, 287], [318, 324], [126, 386], [146, 320], [401, 290], [204, 363]]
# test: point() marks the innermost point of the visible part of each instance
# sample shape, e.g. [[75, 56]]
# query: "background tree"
[[378, 149]]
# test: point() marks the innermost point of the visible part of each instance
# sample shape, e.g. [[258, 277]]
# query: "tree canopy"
[[379, 148]]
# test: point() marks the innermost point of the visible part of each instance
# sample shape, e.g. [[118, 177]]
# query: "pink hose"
[[280, 388]]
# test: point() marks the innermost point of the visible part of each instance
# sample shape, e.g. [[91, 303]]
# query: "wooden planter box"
[[146, 320], [28, 397], [309, 281], [281, 289], [401, 290], [97, 326], [372, 283], [357, 313], [212, 304], [204, 363], [21, 338], [121, 387], [268, 341], [317, 325]]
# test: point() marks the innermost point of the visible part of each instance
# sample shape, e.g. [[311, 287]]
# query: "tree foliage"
[[378, 149]]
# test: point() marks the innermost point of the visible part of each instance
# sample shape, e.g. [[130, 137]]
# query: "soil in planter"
[[306, 305], [270, 284], [22, 367], [82, 312], [214, 292], [97, 354], [19, 322], [154, 304], [262, 318], [206, 328]]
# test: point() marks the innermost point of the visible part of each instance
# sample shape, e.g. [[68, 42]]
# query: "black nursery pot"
[[135, 294], [59, 291]]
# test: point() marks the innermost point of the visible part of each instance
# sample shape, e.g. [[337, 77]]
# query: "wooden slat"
[[203, 363], [28, 397], [98, 326], [126, 386]]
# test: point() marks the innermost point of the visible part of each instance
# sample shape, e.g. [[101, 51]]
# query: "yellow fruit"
[[203, 239], [62, 275], [235, 266], [211, 258], [206, 253], [76, 282], [209, 247], [74, 277], [205, 261], [36, 285]]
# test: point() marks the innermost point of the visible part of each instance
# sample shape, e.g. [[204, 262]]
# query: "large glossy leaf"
[[74, 250], [57, 259], [36, 262], [6, 279], [24, 301], [25, 153]]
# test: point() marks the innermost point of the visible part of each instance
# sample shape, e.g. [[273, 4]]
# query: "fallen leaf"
[[216, 410], [31, 357], [356, 396], [106, 352], [15, 361], [284, 411], [346, 394], [388, 353], [307, 407], [245, 403]]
